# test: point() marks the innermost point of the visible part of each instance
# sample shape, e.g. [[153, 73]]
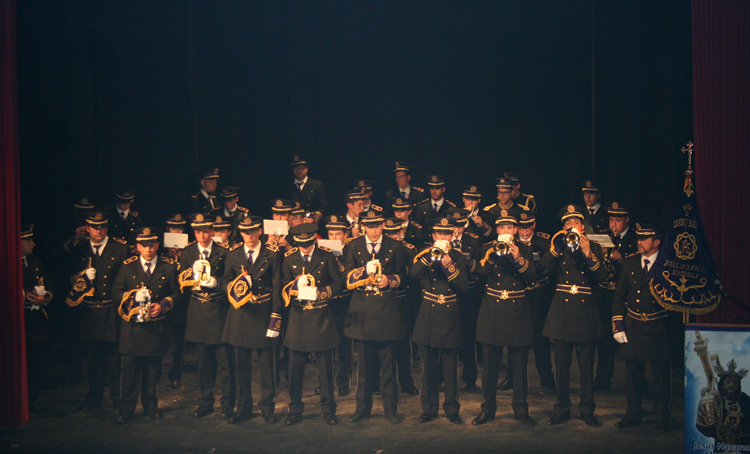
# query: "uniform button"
[[566, 300], [638, 291], [637, 301]]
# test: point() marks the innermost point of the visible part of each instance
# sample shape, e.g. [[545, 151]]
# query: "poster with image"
[[717, 407]]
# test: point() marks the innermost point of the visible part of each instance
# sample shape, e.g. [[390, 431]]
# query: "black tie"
[[299, 187], [250, 257], [435, 206], [457, 243], [148, 270], [372, 248], [403, 194], [591, 210], [205, 254], [211, 201], [96, 249], [645, 266], [307, 259], [124, 216]]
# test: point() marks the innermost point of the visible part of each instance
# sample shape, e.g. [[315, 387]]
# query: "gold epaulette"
[[473, 235], [416, 225], [120, 240], [417, 189], [235, 246], [490, 207], [190, 243], [130, 260], [167, 259], [425, 200], [243, 209], [195, 195], [271, 247], [542, 235], [631, 255], [135, 214], [408, 245], [290, 251], [221, 245], [375, 207], [349, 240], [450, 203]]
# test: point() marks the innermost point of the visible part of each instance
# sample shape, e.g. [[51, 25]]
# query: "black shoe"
[[202, 411], [394, 418], [482, 418], [505, 385], [591, 421], [427, 417], [410, 390], [226, 413], [317, 391], [124, 419], [240, 416], [270, 418], [526, 420], [344, 391], [627, 422], [36, 409], [331, 419], [293, 418], [455, 419], [176, 384], [359, 415], [598, 387], [559, 419]]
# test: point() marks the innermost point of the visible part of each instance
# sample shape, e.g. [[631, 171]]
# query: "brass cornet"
[[144, 309], [204, 276], [572, 239], [374, 279], [436, 254], [502, 248]]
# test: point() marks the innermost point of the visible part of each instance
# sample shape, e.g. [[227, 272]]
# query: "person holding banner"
[[311, 277], [645, 331], [97, 262], [252, 276]]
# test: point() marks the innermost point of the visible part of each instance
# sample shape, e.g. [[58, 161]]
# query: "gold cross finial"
[[689, 151]]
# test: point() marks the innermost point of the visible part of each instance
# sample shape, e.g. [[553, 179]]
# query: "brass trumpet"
[[204, 276], [374, 279], [502, 248], [572, 240], [144, 309], [436, 254]]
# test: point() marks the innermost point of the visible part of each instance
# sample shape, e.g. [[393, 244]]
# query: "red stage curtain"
[[13, 393], [721, 105]]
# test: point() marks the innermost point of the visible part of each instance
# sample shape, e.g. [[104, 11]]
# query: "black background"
[[147, 93]]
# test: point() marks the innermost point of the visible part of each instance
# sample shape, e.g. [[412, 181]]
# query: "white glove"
[[621, 338], [301, 283], [141, 295], [198, 268], [211, 283], [34, 307], [371, 266], [40, 290], [90, 273], [444, 245], [271, 333]]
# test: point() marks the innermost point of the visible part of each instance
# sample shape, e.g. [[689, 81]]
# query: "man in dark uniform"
[[311, 277], [309, 192], [142, 281], [504, 202], [624, 239], [433, 206], [97, 263], [403, 209], [468, 244], [472, 197], [505, 317], [375, 268], [231, 211], [223, 231], [597, 219], [366, 186], [207, 312], [355, 205], [403, 189], [525, 201], [645, 331], [252, 281], [37, 290], [573, 321], [205, 201], [438, 326], [178, 318], [123, 220], [539, 293]]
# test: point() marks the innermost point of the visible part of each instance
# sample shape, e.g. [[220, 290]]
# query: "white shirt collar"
[[406, 190], [378, 242], [103, 244], [256, 251], [120, 212], [309, 253], [438, 202], [152, 262], [651, 259], [595, 207], [351, 219], [303, 181], [622, 234], [201, 248]]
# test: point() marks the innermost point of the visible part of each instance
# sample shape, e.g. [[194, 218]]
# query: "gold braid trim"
[[134, 311]]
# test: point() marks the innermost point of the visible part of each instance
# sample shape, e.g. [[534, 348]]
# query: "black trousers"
[[563, 360], [344, 376], [139, 374], [324, 362], [213, 361], [605, 347], [470, 301], [540, 300], [439, 363], [369, 352], [403, 353], [178, 357], [243, 358], [103, 363], [518, 358], [636, 377]]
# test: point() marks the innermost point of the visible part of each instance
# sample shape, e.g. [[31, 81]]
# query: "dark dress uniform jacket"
[[123, 228], [599, 221], [574, 317], [439, 324], [151, 338], [35, 321], [312, 330], [425, 212], [312, 197], [246, 327], [655, 340], [375, 317], [207, 310], [200, 204], [416, 195], [491, 212], [101, 323], [506, 322]]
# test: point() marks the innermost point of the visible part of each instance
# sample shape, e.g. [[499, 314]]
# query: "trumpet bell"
[[572, 240], [204, 276]]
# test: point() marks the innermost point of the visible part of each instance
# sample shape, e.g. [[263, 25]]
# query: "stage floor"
[[61, 431]]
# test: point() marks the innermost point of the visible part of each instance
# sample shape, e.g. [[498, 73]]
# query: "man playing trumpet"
[[202, 263]]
